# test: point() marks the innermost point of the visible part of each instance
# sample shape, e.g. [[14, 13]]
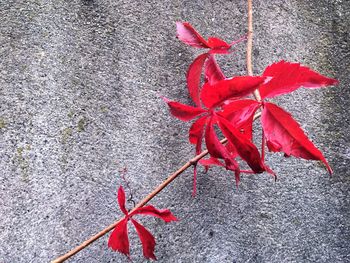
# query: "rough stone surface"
[[79, 86]]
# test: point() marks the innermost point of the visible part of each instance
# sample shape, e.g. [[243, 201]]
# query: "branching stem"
[[185, 166]]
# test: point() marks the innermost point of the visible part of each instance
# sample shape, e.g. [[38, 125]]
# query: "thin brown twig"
[[185, 166], [140, 204], [250, 46]]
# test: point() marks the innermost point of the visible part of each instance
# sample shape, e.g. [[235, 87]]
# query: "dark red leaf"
[[118, 239], [163, 214], [196, 133], [183, 112], [235, 88], [283, 134], [241, 113], [232, 149], [187, 34], [245, 148], [194, 76], [215, 147], [121, 200], [147, 240], [284, 77], [212, 72]]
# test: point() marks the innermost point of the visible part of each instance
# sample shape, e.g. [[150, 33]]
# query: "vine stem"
[[149, 197], [191, 162], [250, 46]]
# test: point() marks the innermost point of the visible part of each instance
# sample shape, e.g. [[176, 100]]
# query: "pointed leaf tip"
[[213, 72], [193, 77], [188, 35], [182, 111], [150, 210], [118, 240], [121, 200], [147, 240], [285, 77], [283, 134]]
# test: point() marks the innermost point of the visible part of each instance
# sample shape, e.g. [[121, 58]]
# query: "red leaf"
[[232, 149], [121, 200], [286, 77], [234, 88], [215, 147], [246, 149], [213, 73], [217, 43], [196, 133], [187, 34], [241, 113], [284, 134], [119, 240], [183, 112], [147, 240], [194, 76], [163, 214]]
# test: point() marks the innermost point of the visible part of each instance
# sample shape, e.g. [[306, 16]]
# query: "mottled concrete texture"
[[79, 86]]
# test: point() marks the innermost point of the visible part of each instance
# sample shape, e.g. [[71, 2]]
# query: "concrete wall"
[[79, 85]]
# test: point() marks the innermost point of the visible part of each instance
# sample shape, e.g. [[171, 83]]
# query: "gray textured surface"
[[79, 85]]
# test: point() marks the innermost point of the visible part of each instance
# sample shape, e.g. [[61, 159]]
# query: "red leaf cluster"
[[222, 103], [119, 239]]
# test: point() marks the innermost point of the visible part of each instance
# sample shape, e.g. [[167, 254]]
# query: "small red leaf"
[[147, 240], [284, 134], [121, 200], [212, 72], [245, 148], [194, 76], [213, 95], [118, 239], [215, 147], [187, 34], [183, 112], [217, 43], [284, 77], [163, 214], [196, 133]]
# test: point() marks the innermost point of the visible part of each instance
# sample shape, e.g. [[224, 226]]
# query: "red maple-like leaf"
[[284, 77], [119, 240], [283, 134]]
